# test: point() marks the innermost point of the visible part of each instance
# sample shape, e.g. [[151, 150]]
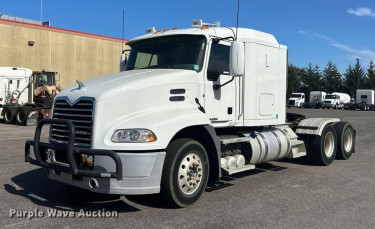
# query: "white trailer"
[[191, 105], [335, 100], [296, 100], [365, 99]]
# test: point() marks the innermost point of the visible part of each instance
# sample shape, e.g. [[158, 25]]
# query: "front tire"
[[185, 172], [323, 148]]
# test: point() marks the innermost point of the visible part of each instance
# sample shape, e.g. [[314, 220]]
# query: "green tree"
[[294, 79], [311, 79], [355, 78], [332, 81], [371, 75]]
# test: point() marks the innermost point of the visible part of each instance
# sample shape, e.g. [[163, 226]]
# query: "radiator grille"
[[81, 114], [291, 102]]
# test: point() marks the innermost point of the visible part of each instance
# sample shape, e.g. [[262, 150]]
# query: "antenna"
[[41, 9], [238, 12], [123, 22]]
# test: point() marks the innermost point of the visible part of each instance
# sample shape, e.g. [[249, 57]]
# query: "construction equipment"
[[26, 96]]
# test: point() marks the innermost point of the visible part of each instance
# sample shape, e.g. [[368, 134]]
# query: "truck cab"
[[331, 101], [296, 100], [191, 104]]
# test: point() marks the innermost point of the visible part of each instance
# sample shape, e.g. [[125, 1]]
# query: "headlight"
[[133, 135]]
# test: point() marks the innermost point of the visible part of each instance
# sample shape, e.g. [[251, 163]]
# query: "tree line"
[[311, 78]]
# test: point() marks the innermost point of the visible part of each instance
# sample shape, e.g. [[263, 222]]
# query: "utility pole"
[[357, 73]]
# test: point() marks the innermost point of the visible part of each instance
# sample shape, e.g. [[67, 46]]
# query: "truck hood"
[[295, 99], [125, 82]]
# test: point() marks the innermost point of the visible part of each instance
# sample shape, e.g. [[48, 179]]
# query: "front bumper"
[[113, 172], [328, 105]]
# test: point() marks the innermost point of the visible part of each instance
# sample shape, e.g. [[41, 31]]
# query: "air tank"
[[269, 145]]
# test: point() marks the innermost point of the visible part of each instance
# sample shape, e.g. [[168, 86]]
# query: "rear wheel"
[[185, 172], [323, 148], [21, 116], [8, 117], [345, 140]]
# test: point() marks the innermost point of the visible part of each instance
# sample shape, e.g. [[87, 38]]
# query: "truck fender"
[[318, 123]]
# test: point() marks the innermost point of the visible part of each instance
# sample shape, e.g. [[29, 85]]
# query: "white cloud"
[[364, 54], [362, 12]]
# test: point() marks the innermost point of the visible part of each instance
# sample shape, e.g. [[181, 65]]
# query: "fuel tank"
[[269, 145]]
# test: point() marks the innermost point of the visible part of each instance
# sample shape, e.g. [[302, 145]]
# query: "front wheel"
[[185, 172]]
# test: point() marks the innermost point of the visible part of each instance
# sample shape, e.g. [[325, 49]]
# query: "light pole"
[[357, 73]]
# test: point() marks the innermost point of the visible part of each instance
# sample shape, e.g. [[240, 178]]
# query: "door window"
[[219, 61]]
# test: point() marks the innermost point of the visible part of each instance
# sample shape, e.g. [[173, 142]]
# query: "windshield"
[[331, 96], [45, 78], [169, 52], [295, 96]]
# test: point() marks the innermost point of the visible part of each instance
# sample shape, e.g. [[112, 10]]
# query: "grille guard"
[[70, 150]]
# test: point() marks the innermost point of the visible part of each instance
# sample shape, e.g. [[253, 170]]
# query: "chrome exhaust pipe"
[[93, 183]]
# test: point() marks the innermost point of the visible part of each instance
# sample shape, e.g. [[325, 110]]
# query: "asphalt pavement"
[[282, 194]]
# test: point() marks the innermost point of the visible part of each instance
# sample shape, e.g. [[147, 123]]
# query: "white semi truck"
[[365, 99], [316, 98], [296, 100], [192, 105], [14, 83], [335, 100]]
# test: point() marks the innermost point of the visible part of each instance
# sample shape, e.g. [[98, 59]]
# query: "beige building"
[[74, 55]]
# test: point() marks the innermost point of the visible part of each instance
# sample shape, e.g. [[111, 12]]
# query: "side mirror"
[[237, 58], [123, 61]]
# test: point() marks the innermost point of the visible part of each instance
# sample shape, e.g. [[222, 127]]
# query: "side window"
[[219, 61]]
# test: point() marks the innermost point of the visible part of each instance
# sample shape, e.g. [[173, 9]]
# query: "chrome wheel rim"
[[348, 140], [190, 173], [329, 144]]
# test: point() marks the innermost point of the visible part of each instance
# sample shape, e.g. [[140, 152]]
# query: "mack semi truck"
[[296, 100], [191, 106], [335, 100]]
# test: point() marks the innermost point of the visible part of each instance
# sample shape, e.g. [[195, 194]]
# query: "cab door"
[[220, 100]]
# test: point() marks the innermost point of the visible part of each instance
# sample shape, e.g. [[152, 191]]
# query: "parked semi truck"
[[26, 96], [365, 99], [296, 100], [315, 100], [192, 104], [335, 100]]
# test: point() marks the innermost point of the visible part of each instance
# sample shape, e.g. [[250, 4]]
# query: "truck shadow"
[[39, 189], [261, 168]]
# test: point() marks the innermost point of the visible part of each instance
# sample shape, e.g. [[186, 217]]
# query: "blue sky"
[[315, 31]]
